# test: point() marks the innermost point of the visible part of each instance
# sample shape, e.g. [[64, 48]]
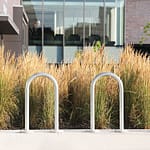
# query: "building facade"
[[13, 26], [59, 28]]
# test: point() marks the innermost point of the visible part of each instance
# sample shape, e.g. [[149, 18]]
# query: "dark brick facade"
[[137, 14]]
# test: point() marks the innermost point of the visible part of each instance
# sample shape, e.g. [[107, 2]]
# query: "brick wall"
[[137, 15]]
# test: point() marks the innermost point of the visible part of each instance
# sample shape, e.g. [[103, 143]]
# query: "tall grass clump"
[[83, 69], [41, 92], [106, 103], [134, 70], [8, 101]]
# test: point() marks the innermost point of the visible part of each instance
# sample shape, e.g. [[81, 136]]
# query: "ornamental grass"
[[8, 81], [134, 70], [74, 91]]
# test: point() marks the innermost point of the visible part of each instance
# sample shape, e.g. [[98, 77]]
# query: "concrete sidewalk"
[[75, 141]]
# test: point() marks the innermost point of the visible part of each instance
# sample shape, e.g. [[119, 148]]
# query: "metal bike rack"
[[56, 126], [92, 99]]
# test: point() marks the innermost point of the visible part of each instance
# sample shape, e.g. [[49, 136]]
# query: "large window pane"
[[73, 27], [114, 22], [73, 22], [53, 22], [53, 31], [94, 21], [34, 12]]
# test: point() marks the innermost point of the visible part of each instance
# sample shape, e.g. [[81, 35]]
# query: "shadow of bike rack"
[[92, 100]]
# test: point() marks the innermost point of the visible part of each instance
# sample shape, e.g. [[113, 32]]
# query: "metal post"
[[92, 99], [55, 98]]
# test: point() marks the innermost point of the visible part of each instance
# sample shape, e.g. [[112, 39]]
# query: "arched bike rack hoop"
[[92, 99], [56, 125]]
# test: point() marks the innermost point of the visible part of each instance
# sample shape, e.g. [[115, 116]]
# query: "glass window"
[[110, 23], [53, 31], [34, 11], [61, 27], [73, 22], [53, 23], [114, 22], [94, 21]]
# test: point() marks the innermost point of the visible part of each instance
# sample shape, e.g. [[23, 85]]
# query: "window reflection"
[[110, 29], [94, 22], [100, 24], [35, 20], [62, 25], [73, 23], [53, 23], [35, 33]]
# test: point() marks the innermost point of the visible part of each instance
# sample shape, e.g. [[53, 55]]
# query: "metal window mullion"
[[63, 29], [84, 23], [116, 23], [104, 32], [42, 24]]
